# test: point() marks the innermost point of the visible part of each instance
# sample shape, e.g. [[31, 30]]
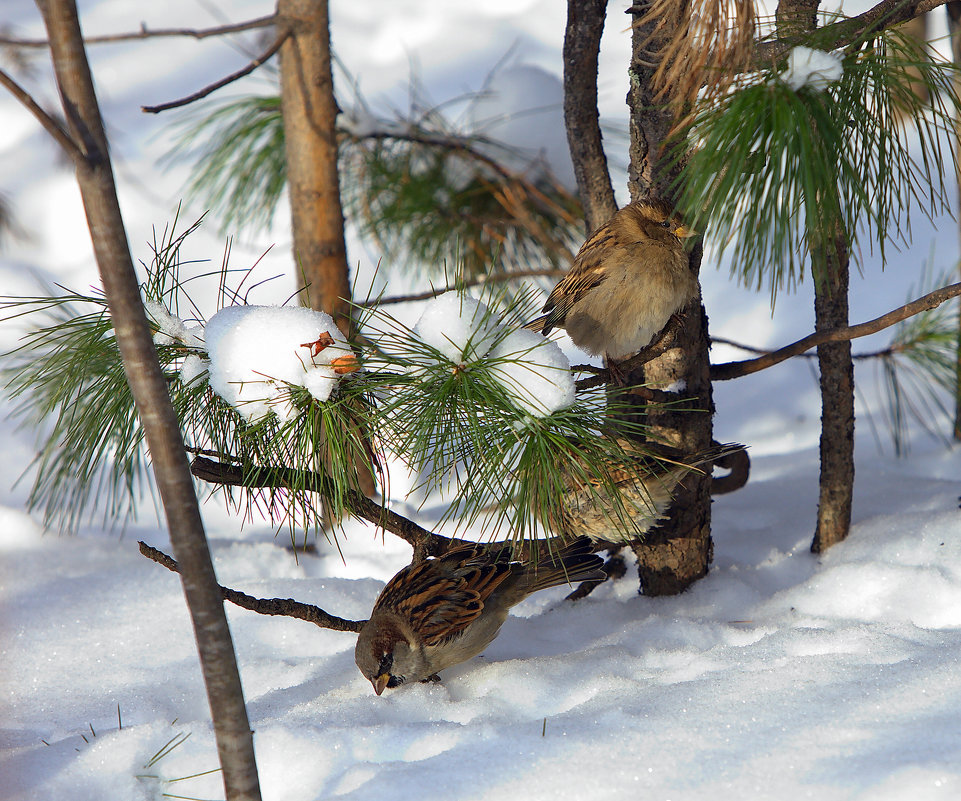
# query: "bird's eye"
[[666, 224], [386, 664]]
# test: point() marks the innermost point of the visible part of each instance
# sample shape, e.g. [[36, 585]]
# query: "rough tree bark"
[[309, 113], [831, 273], [829, 265], [679, 551], [149, 388]]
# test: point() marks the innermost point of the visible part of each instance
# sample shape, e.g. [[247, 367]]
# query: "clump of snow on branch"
[[193, 368], [814, 69], [256, 351], [533, 370], [459, 327], [171, 329]]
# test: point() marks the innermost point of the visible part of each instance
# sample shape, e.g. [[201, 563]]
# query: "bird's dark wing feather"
[[441, 597], [587, 271]]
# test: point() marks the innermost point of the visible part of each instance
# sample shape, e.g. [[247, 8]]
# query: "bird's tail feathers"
[[715, 453], [573, 563]]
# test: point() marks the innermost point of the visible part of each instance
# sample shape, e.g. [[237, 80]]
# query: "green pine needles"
[[478, 409], [776, 170]]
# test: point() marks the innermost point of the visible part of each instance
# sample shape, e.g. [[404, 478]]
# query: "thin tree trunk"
[[309, 112], [149, 388], [837, 396], [582, 42], [954, 26], [313, 180], [678, 552], [829, 265]]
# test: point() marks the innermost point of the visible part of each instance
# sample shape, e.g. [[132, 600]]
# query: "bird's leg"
[[618, 376], [431, 679]]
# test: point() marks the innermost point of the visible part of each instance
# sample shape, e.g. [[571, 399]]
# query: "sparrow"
[[443, 611], [625, 283], [646, 484]]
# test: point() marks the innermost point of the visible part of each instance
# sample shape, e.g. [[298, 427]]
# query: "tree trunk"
[[582, 42], [149, 388], [313, 180], [830, 264], [679, 551], [309, 113], [954, 26]]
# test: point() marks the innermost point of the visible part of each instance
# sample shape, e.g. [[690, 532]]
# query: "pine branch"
[[234, 76], [729, 370], [148, 33], [266, 606], [425, 543]]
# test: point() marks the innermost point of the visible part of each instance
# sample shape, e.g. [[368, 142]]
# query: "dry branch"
[[480, 280], [729, 370], [287, 607], [425, 543], [150, 33]]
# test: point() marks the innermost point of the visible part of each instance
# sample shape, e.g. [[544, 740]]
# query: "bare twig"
[[151, 33], [891, 350], [489, 278], [266, 606], [50, 124], [202, 93], [729, 370], [465, 145]]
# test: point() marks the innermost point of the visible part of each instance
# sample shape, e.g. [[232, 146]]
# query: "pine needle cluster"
[[777, 170], [455, 423]]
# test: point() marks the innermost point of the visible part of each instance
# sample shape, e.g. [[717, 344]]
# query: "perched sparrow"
[[445, 610], [626, 281], [646, 486]]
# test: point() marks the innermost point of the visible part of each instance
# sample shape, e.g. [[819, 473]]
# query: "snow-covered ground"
[[780, 675]]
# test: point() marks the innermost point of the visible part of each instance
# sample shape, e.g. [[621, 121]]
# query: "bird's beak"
[[684, 231], [380, 683]]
